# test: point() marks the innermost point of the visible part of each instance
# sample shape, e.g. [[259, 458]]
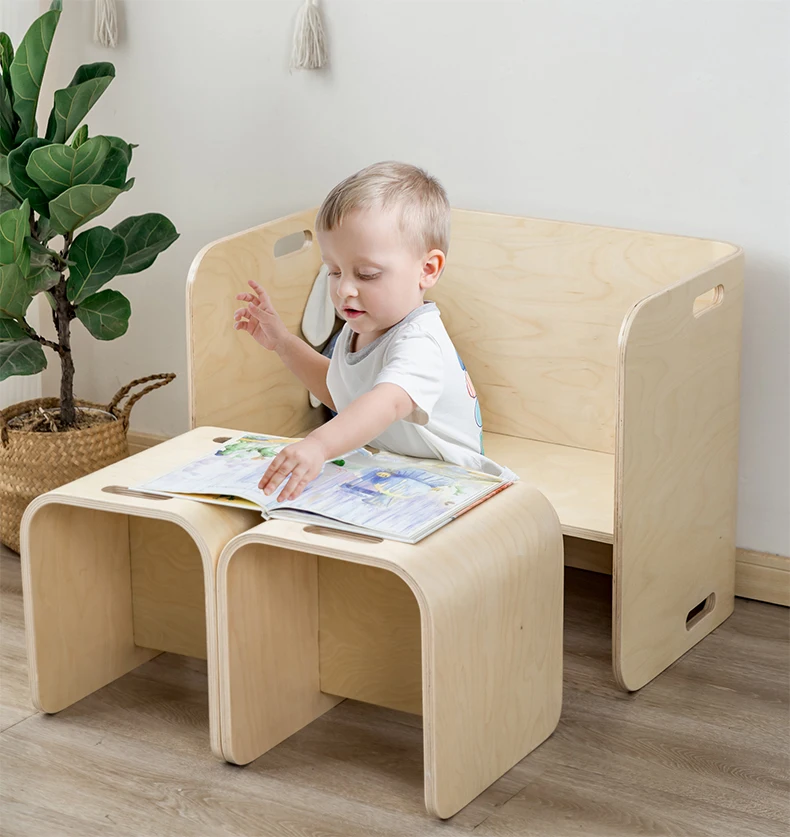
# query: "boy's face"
[[376, 278]]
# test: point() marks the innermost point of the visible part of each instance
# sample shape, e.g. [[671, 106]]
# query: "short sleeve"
[[414, 362]]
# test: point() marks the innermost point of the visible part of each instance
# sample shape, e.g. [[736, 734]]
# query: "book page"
[[383, 492], [391, 494], [230, 472]]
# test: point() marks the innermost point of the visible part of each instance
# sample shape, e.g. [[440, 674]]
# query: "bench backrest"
[[535, 309]]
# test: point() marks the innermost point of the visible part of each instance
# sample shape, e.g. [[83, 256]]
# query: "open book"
[[379, 494]]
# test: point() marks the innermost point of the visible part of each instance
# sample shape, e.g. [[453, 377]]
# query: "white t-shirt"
[[418, 355]]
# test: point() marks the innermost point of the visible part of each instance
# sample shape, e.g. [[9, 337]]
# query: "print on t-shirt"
[[470, 388]]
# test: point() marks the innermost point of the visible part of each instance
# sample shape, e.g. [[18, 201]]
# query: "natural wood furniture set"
[[607, 366]]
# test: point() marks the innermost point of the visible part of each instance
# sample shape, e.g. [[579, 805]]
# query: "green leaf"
[[14, 227], [11, 330], [8, 120], [79, 204], [105, 314], [42, 278], [56, 168], [44, 229], [113, 172], [57, 5], [6, 54], [21, 357], [8, 200], [5, 177], [14, 296], [98, 256], [80, 137], [42, 274], [74, 102], [27, 71], [146, 236], [21, 183]]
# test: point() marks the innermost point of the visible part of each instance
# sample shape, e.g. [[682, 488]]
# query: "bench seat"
[[578, 483]]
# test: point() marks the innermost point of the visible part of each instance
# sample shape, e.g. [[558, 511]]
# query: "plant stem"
[[37, 337], [63, 315]]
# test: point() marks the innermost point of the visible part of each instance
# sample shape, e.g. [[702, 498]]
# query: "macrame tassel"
[[106, 29], [309, 52]]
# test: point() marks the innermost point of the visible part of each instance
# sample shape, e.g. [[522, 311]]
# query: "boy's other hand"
[[260, 319], [302, 461]]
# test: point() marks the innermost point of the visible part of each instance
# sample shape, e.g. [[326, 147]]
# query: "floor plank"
[[15, 703], [703, 750]]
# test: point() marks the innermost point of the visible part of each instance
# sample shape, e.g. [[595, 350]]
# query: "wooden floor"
[[703, 750]]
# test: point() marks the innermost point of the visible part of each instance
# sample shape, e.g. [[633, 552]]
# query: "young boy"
[[395, 378]]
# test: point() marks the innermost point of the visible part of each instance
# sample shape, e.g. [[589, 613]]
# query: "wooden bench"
[[464, 628], [607, 366], [111, 578]]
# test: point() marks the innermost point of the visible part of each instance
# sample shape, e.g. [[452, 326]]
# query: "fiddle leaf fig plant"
[[51, 186]]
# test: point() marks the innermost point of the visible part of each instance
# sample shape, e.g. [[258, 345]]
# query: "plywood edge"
[[622, 346], [192, 274], [735, 248], [205, 549], [672, 307]]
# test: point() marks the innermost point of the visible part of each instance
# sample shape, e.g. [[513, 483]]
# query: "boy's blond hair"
[[419, 199]]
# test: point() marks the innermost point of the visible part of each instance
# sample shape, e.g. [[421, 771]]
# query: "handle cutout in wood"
[[708, 301], [700, 611], [221, 439], [337, 533], [129, 492], [293, 243]]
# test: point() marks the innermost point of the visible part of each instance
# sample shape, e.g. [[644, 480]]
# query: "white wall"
[[666, 116]]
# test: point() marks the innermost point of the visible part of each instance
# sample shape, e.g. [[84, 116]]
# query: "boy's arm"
[[308, 365], [363, 420], [260, 319]]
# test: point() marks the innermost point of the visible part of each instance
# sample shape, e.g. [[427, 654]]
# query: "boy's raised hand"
[[260, 319], [302, 461]]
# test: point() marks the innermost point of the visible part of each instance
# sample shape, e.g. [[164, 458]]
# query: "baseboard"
[[762, 576], [758, 575], [142, 441]]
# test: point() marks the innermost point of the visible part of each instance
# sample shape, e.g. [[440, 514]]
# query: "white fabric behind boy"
[[318, 320]]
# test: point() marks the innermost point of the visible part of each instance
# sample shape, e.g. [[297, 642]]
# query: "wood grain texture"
[[699, 752], [489, 589], [168, 588], [369, 636], [233, 382], [78, 603], [268, 633], [677, 466], [535, 308], [76, 572], [578, 483], [547, 316], [758, 575]]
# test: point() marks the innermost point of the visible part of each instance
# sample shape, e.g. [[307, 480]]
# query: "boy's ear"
[[432, 269]]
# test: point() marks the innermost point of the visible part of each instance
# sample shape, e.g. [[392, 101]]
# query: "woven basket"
[[33, 463]]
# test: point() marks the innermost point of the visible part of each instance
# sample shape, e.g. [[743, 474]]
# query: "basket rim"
[[22, 407]]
